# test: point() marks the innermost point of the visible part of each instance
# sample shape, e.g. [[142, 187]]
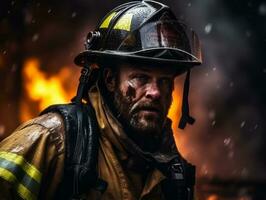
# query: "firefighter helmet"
[[143, 31]]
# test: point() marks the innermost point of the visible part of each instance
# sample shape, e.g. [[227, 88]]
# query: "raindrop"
[[12, 3], [49, 11], [262, 9], [218, 86], [214, 69], [207, 74], [189, 4], [35, 37], [227, 141], [73, 15], [213, 123], [208, 28], [256, 126], [242, 124], [4, 52], [264, 70], [231, 84]]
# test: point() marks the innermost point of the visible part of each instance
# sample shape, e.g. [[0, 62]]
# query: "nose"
[[153, 91]]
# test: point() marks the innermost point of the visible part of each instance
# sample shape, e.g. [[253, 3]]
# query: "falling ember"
[[43, 89]]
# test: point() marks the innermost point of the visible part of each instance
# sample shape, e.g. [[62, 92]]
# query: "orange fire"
[[175, 110], [43, 89]]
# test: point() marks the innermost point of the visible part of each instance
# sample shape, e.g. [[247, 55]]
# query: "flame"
[[43, 89], [213, 197], [174, 112]]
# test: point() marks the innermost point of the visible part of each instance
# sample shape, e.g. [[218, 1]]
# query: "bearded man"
[[114, 141]]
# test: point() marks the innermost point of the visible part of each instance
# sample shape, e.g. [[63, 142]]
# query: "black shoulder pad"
[[81, 144]]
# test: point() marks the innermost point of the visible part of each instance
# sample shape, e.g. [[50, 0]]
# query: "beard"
[[142, 119]]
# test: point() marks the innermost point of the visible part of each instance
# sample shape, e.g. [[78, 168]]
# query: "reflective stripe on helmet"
[[25, 177], [124, 23], [107, 21]]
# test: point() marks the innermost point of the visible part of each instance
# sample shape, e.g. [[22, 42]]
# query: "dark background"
[[227, 98]]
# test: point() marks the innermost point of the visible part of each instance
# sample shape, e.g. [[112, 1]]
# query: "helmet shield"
[[162, 39]]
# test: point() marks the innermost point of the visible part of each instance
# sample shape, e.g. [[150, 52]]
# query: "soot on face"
[[131, 91]]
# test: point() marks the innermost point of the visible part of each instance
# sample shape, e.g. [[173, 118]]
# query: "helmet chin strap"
[[185, 118]]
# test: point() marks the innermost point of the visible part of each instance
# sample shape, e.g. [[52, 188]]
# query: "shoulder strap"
[[81, 150], [180, 180]]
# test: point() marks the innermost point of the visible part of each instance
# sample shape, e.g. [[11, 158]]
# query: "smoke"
[[227, 136]]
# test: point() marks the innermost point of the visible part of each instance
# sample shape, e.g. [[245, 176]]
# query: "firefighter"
[[114, 141]]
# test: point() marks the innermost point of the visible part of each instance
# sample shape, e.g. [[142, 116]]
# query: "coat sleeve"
[[32, 159]]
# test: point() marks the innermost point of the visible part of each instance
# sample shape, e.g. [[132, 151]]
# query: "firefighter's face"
[[142, 97]]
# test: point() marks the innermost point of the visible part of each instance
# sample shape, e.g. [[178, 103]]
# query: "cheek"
[[131, 92], [128, 90]]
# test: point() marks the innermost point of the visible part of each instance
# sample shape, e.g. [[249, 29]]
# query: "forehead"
[[152, 70]]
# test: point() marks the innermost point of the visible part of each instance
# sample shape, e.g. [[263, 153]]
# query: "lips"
[[147, 110]]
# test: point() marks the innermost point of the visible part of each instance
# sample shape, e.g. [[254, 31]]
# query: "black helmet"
[[143, 31]]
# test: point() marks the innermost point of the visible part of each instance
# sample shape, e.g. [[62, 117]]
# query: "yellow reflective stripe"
[[107, 20], [23, 192], [32, 171], [124, 23]]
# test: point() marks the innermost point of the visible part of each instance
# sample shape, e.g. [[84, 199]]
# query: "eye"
[[141, 78], [166, 82]]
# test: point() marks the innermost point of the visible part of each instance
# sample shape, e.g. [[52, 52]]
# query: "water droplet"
[[208, 28], [242, 124], [35, 37], [227, 141], [73, 15]]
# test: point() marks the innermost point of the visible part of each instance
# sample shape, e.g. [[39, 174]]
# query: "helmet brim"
[[88, 57]]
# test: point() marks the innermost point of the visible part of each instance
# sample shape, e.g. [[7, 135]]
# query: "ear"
[[109, 79]]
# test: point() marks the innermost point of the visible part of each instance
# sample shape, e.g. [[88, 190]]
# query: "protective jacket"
[[32, 160]]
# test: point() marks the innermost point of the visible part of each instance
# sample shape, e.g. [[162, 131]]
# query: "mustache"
[[153, 106]]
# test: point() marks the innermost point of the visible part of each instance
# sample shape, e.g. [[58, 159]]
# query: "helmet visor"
[[169, 35]]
